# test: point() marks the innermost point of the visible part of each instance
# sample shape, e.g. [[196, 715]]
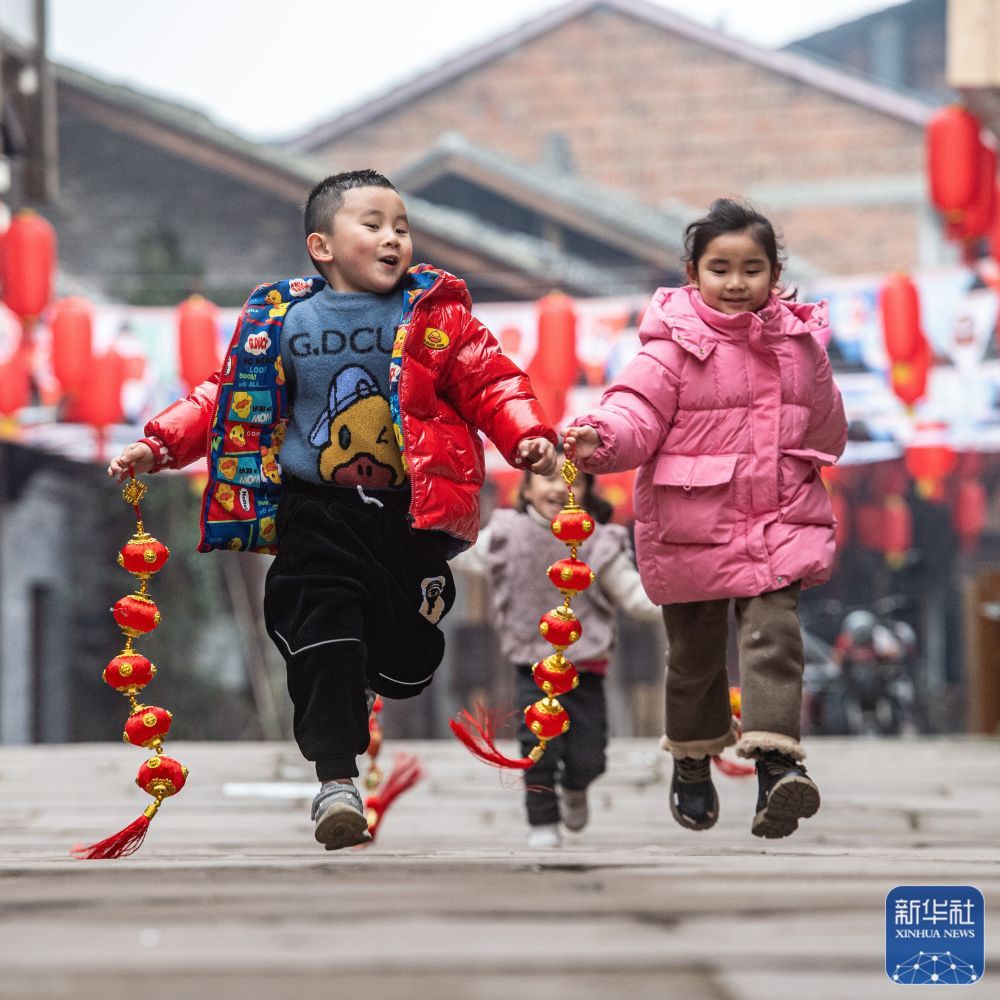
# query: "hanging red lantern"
[[570, 575], [555, 675], [977, 217], [897, 531], [197, 340], [555, 361], [129, 672], [136, 615], [909, 378], [546, 718], [899, 304], [100, 399], [929, 464], [952, 157], [27, 263], [147, 726], [969, 512], [15, 384], [72, 343], [560, 627]]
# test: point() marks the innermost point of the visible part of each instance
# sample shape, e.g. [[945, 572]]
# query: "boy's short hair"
[[325, 199]]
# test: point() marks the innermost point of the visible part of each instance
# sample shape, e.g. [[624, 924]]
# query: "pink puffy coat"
[[728, 419]]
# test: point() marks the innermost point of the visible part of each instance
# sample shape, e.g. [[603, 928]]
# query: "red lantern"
[[572, 526], [136, 615], [969, 512], [555, 362], [560, 627], [147, 726], [978, 215], [198, 339], [72, 343], [547, 719], [909, 378], [952, 158], [897, 531], [161, 777], [142, 555], [929, 464], [555, 675], [129, 672], [15, 384], [900, 308], [571, 576], [100, 399], [29, 253]]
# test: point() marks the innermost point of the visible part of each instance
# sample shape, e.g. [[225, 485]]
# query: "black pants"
[[576, 758], [354, 596]]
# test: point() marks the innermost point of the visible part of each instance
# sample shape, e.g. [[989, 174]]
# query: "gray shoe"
[[575, 813], [340, 817]]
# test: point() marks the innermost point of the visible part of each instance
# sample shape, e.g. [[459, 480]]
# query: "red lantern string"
[[406, 772], [555, 675], [733, 768], [129, 672]]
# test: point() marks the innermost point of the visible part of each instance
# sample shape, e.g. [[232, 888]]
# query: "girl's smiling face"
[[547, 494], [734, 274]]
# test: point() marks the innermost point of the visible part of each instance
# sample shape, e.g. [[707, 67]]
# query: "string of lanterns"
[[129, 672]]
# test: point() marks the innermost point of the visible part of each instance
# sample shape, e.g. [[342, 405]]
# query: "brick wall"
[[660, 116]]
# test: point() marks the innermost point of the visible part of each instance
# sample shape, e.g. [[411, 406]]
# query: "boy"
[[372, 380]]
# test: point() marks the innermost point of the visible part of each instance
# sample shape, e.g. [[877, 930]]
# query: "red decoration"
[[555, 361], [900, 308], [978, 215], [560, 627], [929, 464], [969, 512], [572, 526], [29, 253], [547, 719], [142, 555], [952, 158], [72, 343], [136, 614], [555, 675], [374, 776], [129, 672], [197, 339], [99, 402], [15, 384], [147, 725], [406, 772]]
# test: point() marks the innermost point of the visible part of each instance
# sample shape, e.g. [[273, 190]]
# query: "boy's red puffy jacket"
[[453, 380]]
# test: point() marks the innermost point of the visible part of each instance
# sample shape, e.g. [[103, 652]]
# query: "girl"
[[729, 410], [513, 552]]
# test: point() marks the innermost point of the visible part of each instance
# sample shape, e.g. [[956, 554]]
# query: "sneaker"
[[545, 837], [340, 816], [694, 802], [573, 807], [787, 794]]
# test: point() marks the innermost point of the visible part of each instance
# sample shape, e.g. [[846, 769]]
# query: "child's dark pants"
[[354, 596], [580, 750]]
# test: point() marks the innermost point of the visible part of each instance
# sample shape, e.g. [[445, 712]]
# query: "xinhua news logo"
[[934, 935]]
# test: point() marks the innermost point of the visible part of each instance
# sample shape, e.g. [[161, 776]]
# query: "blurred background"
[[153, 166]]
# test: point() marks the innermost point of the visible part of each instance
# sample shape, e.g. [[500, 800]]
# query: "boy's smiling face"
[[369, 248]]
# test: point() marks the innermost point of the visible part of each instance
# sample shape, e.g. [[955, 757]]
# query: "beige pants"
[[699, 719]]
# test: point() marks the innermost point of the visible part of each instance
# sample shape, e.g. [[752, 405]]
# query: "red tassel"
[[119, 845], [405, 774], [478, 734], [733, 769]]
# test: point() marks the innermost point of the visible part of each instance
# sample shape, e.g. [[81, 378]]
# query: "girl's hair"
[[595, 505], [729, 215]]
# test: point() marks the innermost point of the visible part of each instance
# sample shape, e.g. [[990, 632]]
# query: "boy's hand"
[[537, 454], [137, 456], [582, 440]]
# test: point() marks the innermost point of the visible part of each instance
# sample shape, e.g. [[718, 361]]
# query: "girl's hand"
[[537, 454], [137, 456], [583, 440]]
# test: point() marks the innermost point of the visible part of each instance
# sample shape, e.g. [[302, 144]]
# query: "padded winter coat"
[[729, 419], [448, 379]]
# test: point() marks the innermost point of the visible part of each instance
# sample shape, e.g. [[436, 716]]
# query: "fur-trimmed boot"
[[786, 795]]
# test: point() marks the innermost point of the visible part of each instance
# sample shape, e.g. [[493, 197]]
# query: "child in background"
[[729, 411], [373, 380], [513, 552]]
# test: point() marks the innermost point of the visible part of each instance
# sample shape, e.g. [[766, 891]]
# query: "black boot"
[[786, 795], [693, 800]]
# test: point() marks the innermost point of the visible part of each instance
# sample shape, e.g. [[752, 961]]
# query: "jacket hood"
[[423, 279], [682, 315]]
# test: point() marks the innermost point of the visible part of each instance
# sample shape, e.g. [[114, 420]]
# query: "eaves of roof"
[[825, 78]]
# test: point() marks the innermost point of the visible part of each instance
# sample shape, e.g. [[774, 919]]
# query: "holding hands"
[[537, 454]]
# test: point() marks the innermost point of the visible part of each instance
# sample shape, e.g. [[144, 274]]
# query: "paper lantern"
[[952, 158], [969, 512], [29, 253], [197, 340], [929, 464], [15, 384], [72, 343], [977, 217], [99, 402], [899, 305], [555, 363]]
